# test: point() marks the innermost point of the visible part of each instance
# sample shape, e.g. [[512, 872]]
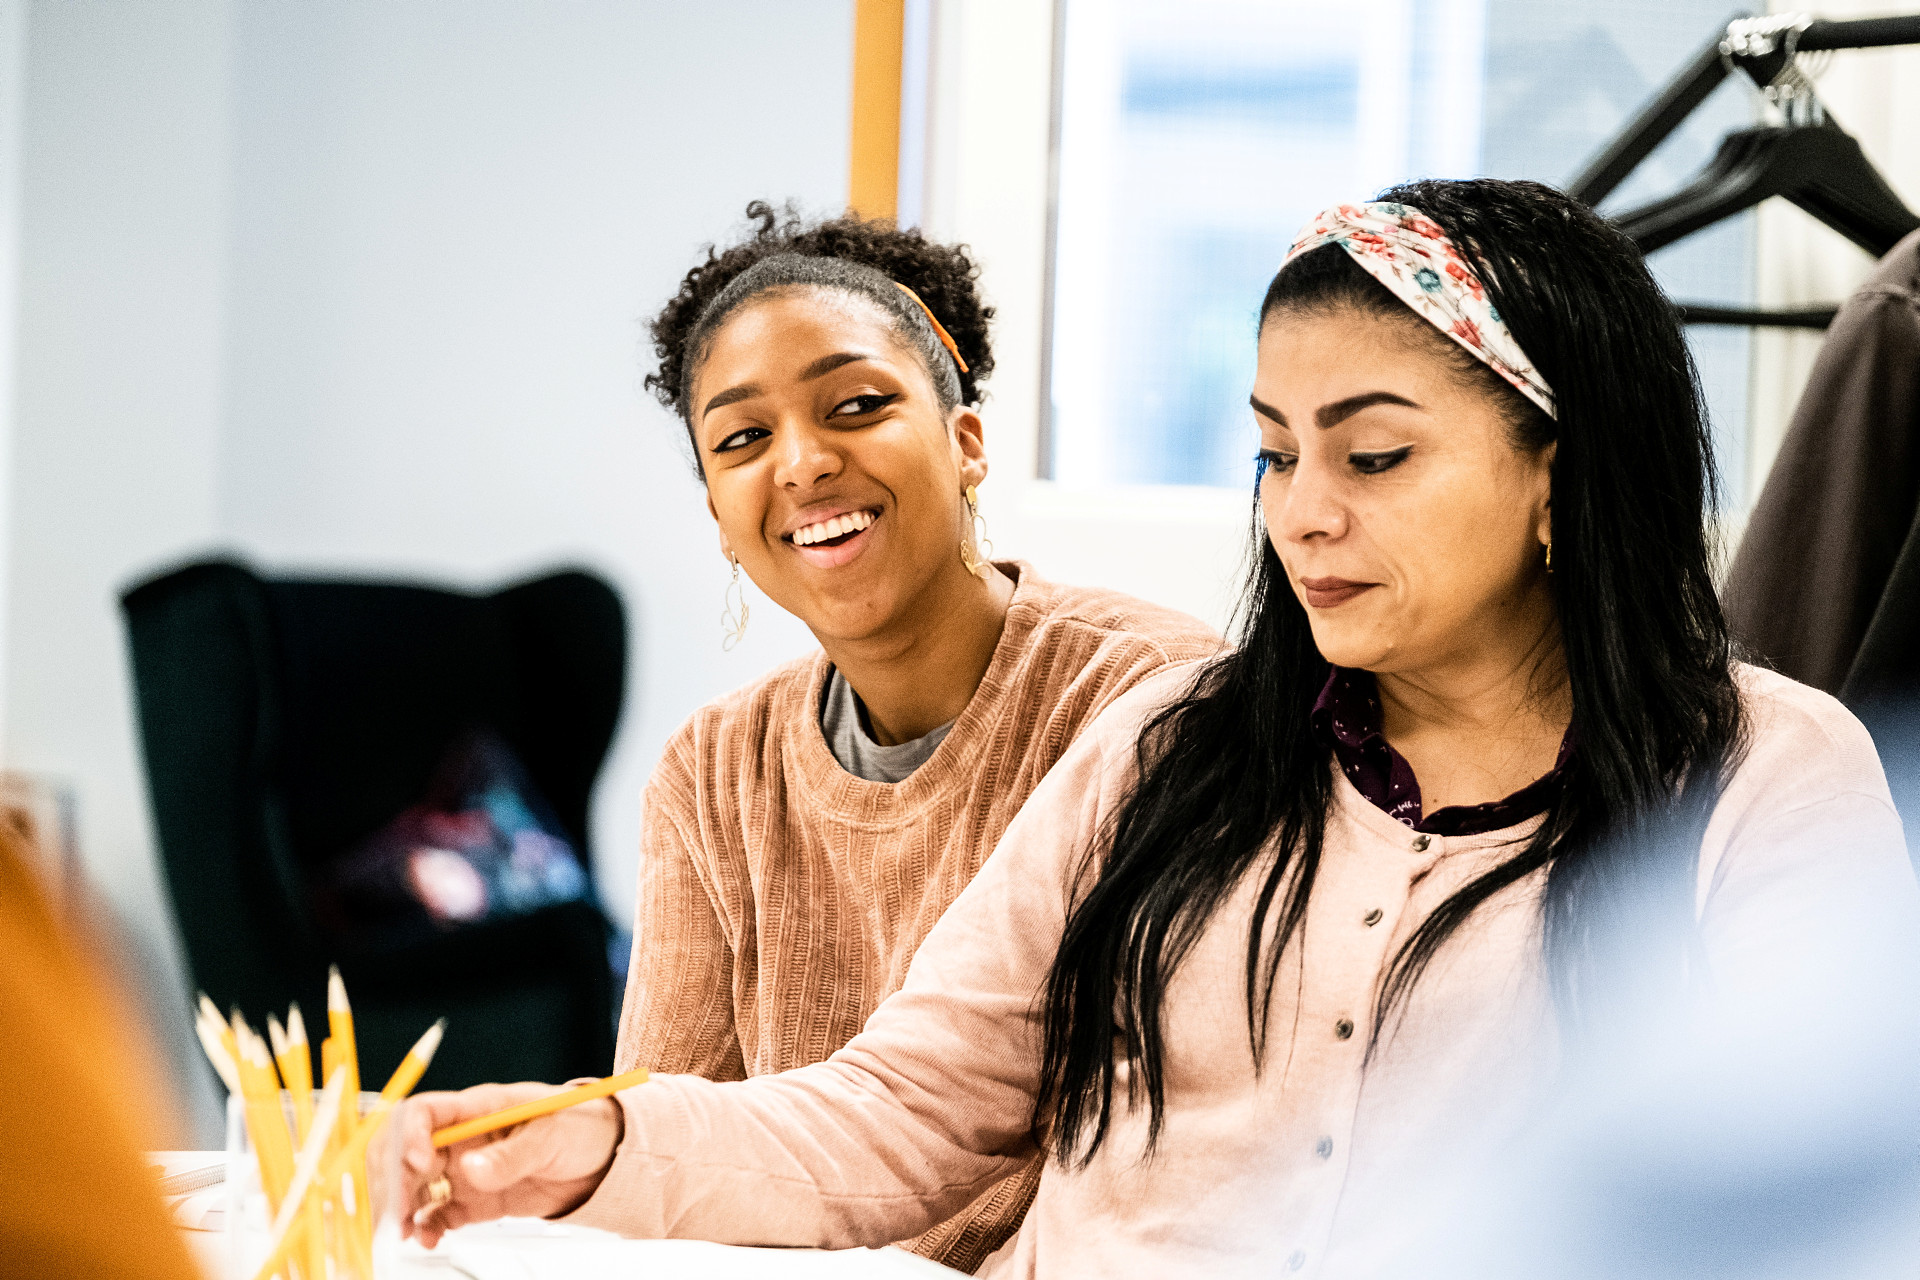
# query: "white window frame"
[[987, 167]]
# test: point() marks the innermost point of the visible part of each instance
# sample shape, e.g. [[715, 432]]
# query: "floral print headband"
[[1407, 251]]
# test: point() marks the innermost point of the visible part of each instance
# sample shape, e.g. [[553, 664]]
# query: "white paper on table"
[[545, 1251], [201, 1211], [182, 1172]]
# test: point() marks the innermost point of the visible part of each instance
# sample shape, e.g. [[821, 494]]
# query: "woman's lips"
[[1325, 593], [824, 556]]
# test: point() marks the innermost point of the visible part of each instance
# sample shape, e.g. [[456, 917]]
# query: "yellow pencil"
[[353, 1159], [266, 1120], [340, 1023], [329, 1066], [214, 1043], [211, 1026], [326, 1120], [297, 1075], [525, 1111], [290, 1050], [399, 1085], [414, 1065], [211, 1013]]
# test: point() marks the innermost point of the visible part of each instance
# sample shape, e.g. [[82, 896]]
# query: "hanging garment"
[[1826, 584]]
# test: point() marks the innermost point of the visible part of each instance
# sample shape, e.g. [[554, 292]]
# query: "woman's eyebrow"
[[1332, 415], [827, 364], [818, 369], [1266, 410], [732, 395]]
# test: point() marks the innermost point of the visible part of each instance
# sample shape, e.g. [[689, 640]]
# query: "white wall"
[[988, 187], [118, 396], [13, 63], [361, 287]]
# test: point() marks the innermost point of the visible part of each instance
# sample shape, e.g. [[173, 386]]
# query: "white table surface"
[[531, 1249]]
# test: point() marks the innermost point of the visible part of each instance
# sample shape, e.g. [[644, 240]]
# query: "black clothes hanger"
[[1762, 55], [1814, 164], [1818, 167]]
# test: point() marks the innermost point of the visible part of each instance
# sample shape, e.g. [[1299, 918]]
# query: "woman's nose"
[[1309, 502], [804, 456]]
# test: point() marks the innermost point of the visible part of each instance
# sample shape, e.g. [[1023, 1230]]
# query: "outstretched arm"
[[930, 1104]]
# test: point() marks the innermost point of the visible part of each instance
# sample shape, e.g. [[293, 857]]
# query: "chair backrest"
[[286, 720], [376, 681]]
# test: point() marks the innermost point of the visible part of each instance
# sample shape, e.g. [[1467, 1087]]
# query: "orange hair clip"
[[940, 330]]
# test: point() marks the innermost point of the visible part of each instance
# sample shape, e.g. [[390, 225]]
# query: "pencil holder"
[[249, 1217]]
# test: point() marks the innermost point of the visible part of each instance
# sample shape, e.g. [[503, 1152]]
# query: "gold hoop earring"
[[733, 619], [976, 549]]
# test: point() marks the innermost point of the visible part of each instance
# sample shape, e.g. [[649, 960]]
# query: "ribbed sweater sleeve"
[[930, 1105], [679, 998], [780, 899]]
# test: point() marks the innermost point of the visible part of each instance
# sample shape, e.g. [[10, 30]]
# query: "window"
[[1192, 141]]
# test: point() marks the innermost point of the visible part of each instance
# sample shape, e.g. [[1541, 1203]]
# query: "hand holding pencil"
[[539, 1168]]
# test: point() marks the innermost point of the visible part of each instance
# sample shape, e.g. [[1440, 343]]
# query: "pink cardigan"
[[1316, 1165]]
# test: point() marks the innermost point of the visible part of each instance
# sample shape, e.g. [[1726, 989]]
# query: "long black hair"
[[1232, 772]]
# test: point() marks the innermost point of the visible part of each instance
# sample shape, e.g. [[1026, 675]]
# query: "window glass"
[[1194, 140]]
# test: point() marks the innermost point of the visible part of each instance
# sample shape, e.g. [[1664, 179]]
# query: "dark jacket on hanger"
[[1826, 585]]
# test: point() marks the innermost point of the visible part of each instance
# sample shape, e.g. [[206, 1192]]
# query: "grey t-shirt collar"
[[843, 721]]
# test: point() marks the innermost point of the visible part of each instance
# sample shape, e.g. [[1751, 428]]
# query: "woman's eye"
[[1278, 461], [741, 439], [861, 405], [1368, 464]]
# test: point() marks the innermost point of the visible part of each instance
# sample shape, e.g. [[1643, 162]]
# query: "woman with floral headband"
[[1280, 954], [802, 834]]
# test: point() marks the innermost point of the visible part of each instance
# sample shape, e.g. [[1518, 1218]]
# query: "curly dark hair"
[[863, 256]]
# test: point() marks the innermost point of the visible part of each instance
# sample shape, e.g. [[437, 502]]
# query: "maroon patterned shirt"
[[1347, 717]]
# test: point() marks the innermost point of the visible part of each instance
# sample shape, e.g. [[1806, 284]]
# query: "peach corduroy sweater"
[[1327, 1162], [781, 898]]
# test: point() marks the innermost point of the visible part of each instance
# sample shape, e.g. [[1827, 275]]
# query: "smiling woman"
[[804, 833], [837, 457]]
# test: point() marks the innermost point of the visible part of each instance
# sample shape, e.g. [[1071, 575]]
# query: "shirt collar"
[[1348, 720]]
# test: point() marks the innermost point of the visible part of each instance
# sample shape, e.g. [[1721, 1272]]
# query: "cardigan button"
[[1344, 1028], [1297, 1259], [1420, 843], [1323, 1148], [1372, 918]]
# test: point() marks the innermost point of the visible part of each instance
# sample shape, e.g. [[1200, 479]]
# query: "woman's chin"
[[1345, 645]]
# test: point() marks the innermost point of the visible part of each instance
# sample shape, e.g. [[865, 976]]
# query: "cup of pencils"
[[300, 1202]]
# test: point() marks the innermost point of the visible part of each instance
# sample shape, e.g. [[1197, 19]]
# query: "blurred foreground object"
[[285, 722], [79, 1199], [39, 811]]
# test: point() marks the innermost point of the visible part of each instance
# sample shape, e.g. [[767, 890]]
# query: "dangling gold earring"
[[733, 620], [976, 549], [1549, 553]]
